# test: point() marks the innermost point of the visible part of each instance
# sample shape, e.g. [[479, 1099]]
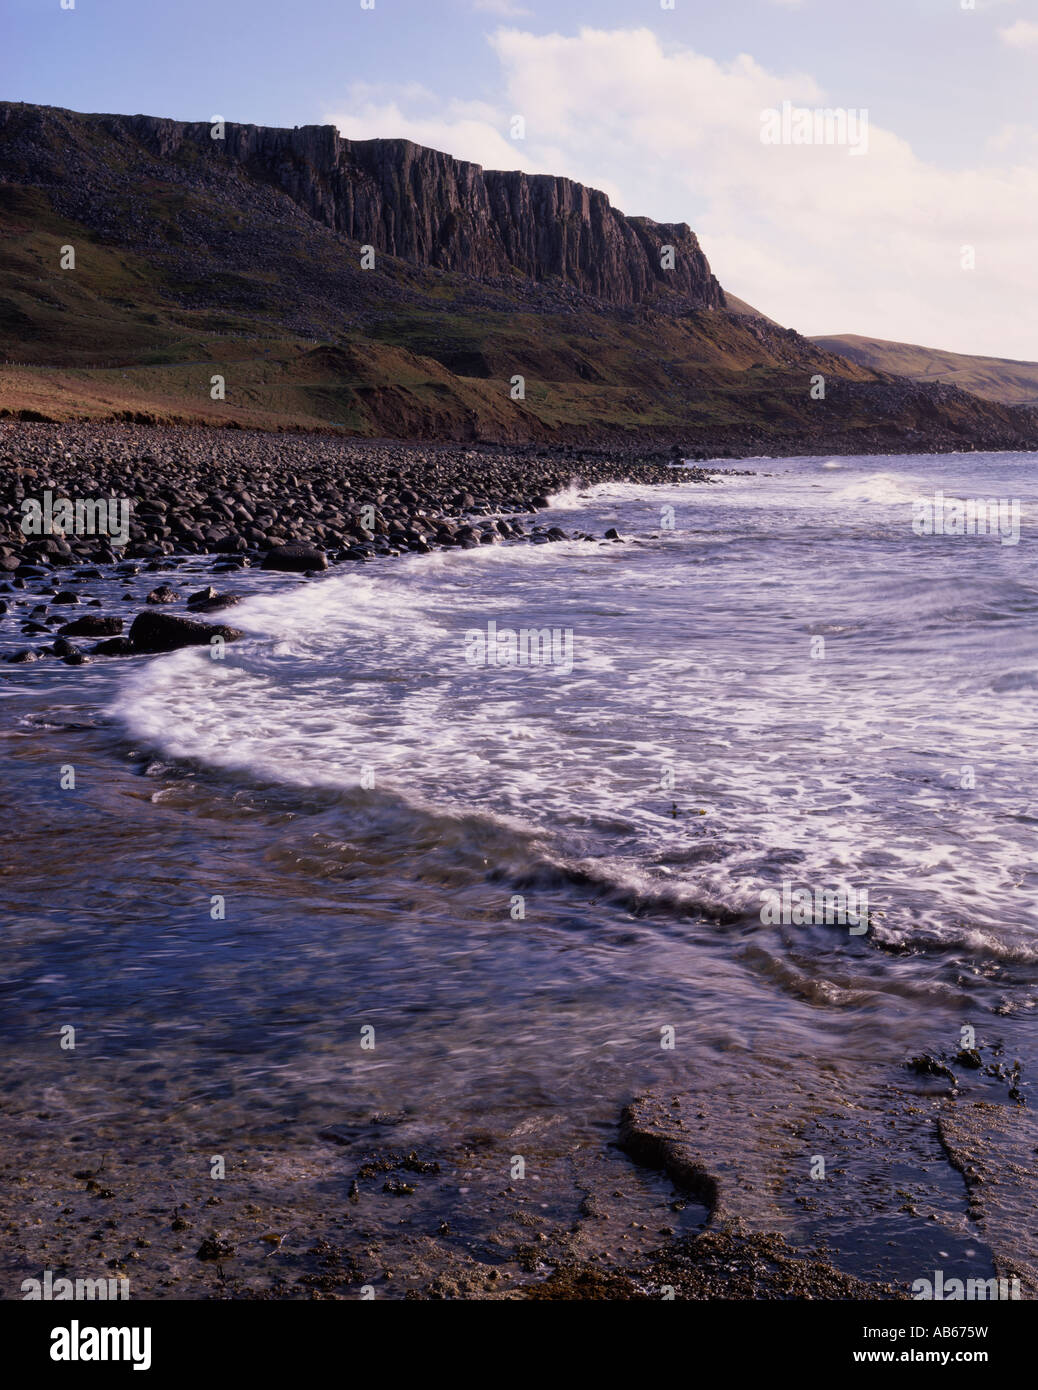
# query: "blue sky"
[[658, 106], [937, 72]]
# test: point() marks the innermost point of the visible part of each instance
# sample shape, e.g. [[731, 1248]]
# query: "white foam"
[[842, 770], [886, 489]]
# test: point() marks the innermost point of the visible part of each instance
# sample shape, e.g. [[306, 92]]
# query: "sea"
[[475, 847]]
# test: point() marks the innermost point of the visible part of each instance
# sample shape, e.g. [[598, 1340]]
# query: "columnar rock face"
[[433, 210]]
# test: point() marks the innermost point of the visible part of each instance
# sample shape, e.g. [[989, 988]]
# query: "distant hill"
[[386, 289], [993, 378]]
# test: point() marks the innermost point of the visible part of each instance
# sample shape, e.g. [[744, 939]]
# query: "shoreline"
[[297, 503], [730, 1251], [295, 506]]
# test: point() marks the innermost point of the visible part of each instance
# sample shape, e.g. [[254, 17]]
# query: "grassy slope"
[[992, 378], [110, 338], [190, 269]]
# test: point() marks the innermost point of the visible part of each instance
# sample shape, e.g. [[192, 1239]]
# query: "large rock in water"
[[92, 626], [165, 632], [296, 558]]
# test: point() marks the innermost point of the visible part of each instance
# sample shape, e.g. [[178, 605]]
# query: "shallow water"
[[519, 875]]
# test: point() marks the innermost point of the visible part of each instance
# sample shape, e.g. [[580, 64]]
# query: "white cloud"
[[505, 9], [812, 235], [469, 130], [1022, 34], [1015, 144]]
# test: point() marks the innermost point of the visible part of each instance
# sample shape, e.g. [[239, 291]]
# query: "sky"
[[924, 233]]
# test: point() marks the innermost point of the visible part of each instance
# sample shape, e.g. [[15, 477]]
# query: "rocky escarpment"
[[236, 259], [424, 206]]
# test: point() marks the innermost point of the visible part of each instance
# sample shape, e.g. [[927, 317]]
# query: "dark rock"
[[165, 593], [114, 646], [165, 632], [215, 1248], [295, 558], [925, 1065], [91, 626], [214, 604]]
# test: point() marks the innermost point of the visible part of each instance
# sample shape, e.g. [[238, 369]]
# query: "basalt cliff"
[[432, 210], [296, 278]]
